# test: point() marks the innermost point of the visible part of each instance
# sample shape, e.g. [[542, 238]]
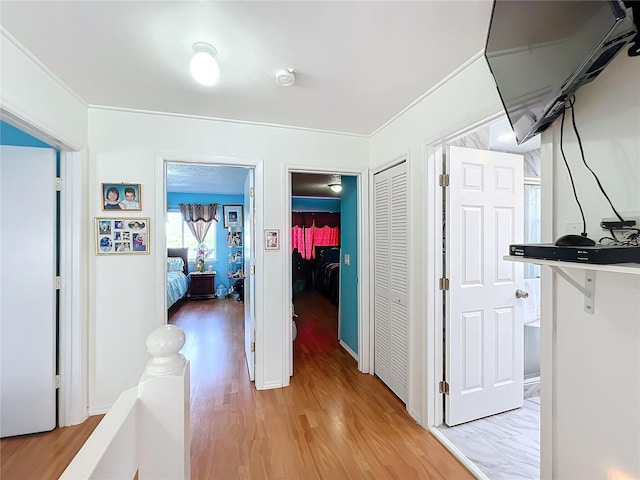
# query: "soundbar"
[[598, 254]]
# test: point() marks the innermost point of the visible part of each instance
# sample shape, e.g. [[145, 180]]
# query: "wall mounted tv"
[[540, 52]]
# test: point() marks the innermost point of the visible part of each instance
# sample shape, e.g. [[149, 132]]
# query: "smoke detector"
[[285, 78]]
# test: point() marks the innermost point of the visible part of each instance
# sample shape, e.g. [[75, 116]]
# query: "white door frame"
[[162, 158], [365, 352], [434, 332], [74, 294]]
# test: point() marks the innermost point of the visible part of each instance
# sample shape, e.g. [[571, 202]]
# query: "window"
[[179, 235]]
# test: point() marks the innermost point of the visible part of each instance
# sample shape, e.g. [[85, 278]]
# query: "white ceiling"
[[358, 63], [189, 178]]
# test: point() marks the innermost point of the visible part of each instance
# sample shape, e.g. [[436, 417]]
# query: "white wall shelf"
[[589, 287], [630, 268]]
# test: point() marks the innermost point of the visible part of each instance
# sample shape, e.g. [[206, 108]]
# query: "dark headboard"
[[182, 253], [328, 254]]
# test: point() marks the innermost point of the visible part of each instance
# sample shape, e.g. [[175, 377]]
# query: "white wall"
[[38, 103], [596, 394], [466, 97], [126, 299]]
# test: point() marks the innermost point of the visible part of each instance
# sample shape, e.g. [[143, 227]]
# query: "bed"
[[327, 272], [177, 278]]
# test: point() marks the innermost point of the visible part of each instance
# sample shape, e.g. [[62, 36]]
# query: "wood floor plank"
[[332, 422], [43, 455]]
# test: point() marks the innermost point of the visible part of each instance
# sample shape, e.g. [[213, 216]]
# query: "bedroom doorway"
[[218, 266], [474, 162], [324, 251]]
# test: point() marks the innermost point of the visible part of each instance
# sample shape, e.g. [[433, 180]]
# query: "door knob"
[[522, 294]]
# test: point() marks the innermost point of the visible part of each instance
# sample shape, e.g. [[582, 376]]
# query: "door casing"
[[433, 408], [365, 334]]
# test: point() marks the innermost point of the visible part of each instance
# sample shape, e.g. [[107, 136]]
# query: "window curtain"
[[311, 229], [199, 217]]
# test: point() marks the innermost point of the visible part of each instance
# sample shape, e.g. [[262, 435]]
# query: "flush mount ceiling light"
[[204, 68], [336, 183], [285, 78]]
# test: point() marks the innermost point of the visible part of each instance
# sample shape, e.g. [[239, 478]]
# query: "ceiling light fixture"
[[336, 183], [285, 78], [204, 67]]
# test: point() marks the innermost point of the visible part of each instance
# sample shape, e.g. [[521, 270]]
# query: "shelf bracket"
[[588, 290]]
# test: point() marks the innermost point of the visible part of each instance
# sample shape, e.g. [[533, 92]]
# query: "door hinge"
[[252, 192], [252, 270], [443, 387], [443, 180], [58, 184], [58, 282], [253, 346], [443, 283], [57, 380]]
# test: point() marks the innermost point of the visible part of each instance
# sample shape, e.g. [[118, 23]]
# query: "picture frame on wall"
[[121, 236], [232, 216], [271, 239], [121, 196]]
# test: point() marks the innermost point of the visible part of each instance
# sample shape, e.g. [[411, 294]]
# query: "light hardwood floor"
[[43, 455], [332, 422]]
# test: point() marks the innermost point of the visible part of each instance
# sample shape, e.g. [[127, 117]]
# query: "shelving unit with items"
[[235, 258]]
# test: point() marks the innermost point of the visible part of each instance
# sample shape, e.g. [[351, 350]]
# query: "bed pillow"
[[175, 264]]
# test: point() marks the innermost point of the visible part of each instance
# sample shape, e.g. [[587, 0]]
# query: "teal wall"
[[308, 204], [349, 273], [221, 263], [10, 135]]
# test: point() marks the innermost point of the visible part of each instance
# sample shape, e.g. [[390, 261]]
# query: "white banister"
[[163, 392], [147, 428]]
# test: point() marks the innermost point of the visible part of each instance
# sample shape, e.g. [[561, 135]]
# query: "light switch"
[[347, 259]]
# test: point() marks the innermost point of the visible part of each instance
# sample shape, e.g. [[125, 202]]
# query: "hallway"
[[332, 422]]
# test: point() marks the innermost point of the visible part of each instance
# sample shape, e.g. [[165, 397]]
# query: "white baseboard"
[[99, 410], [349, 351]]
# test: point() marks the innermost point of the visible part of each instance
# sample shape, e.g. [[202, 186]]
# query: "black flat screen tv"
[[540, 52]]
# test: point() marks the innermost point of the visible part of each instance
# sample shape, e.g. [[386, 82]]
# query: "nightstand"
[[202, 285]]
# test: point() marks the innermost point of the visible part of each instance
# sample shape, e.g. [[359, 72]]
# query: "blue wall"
[[221, 263], [308, 204], [349, 273], [10, 135]]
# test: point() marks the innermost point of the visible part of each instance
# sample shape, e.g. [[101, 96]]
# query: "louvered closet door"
[[390, 279]]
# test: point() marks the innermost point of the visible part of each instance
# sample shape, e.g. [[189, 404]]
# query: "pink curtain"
[[306, 239], [298, 241]]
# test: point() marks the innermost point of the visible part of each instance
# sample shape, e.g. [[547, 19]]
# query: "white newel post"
[[164, 398]]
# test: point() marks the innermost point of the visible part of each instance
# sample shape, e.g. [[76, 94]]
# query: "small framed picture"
[[232, 216], [121, 196], [271, 239], [234, 239], [122, 236]]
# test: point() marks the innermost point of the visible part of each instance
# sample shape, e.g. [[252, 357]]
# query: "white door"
[[391, 345], [249, 276], [483, 319], [27, 290]]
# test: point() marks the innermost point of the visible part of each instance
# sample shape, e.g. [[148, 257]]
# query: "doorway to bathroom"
[[491, 323]]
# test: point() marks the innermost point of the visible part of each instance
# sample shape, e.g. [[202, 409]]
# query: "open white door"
[[27, 290], [483, 320], [249, 275]]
